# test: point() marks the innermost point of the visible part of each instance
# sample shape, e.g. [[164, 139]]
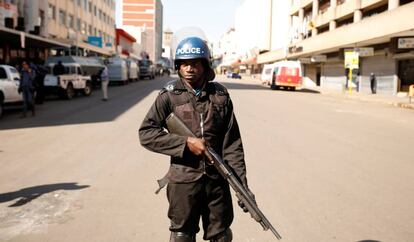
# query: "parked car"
[[9, 85], [77, 77], [233, 75], [146, 69]]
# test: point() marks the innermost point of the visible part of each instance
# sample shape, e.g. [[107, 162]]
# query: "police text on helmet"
[[192, 50]]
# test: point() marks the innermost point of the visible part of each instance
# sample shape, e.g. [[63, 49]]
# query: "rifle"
[[175, 125]]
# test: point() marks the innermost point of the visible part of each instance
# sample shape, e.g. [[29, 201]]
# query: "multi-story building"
[[31, 29], [86, 24], [167, 44], [226, 50], [147, 15], [380, 31], [22, 34], [252, 29]]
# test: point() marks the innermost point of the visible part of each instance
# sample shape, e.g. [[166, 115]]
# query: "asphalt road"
[[322, 168]]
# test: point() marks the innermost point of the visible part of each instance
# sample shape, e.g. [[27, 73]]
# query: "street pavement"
[[322, 167]]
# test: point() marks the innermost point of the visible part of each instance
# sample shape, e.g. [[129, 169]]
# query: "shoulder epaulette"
[[169, 87], [220, 88]]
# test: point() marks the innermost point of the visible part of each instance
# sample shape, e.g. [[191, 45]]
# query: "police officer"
[[195, 189]]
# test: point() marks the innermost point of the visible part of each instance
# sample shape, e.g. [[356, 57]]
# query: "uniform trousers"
[[207, 198]]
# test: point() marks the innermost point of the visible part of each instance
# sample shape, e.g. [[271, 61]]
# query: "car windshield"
[[145, 63]]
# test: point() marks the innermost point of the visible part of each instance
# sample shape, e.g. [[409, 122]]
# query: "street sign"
[[405, 43], [351, 59]]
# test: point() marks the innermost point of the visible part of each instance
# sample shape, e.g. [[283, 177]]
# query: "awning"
[[271, 56], [251, 61], [236, 63], [13, 38], [88, 47]]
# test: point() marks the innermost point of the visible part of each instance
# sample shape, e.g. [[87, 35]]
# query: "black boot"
[[181, 237], [226, 236]]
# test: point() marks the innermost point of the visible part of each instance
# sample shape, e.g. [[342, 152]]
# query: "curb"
[[387, 102]]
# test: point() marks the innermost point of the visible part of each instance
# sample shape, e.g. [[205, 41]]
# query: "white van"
[[266, 76], [133, 71], [285, 74], [117, 70]]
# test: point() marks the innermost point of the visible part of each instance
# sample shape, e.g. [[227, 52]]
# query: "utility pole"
[[78, 26], [270, 24]]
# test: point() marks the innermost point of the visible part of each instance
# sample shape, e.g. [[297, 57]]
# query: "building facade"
[[380, 31], [252, 30], [147, 15], [86, 24]]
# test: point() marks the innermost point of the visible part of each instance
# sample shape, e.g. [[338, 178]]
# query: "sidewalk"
[[402, 102]]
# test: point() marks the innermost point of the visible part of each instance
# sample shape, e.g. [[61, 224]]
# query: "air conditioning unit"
[[9, 23]]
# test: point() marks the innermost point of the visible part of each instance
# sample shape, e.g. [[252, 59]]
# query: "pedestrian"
[[195, 189], [39, 84], [105, 81], [27, 88], [58, 69], [373, 82]]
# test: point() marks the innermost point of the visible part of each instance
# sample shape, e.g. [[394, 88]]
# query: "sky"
[[215, 17]]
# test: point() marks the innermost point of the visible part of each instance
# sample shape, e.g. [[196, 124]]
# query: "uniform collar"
[[183, 85]]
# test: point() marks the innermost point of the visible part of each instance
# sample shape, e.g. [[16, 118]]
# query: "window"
[[85, 5], [71, 21], [100, 14], [79, 2], [83, 27], [51, 12], [94, 10], [90, 7], [104, 17], [94, 31], [90, 30], [62, 17], [78, 24], [3, 74], [100, 33]]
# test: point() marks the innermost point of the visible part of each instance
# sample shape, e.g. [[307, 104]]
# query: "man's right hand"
[[196, 145]]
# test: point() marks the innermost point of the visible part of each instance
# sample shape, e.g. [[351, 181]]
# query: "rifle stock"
[[176, 126]]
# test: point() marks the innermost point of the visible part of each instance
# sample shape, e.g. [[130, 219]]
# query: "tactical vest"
[[210, 110]]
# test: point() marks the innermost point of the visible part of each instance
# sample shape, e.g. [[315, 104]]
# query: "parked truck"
[[80, 74]]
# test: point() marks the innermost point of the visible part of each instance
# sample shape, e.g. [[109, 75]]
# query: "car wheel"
[[70, 91], [88, 89]]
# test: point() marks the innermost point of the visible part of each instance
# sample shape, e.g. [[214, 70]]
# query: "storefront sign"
[[22, 40], [351, 59], [305, 60], [405, 43], [366, 51], [295, 49], [319, 58], [95, 40]]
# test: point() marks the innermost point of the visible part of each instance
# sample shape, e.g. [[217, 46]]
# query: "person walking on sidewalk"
[[373, 82], [105, 81], [195, 189], [27, 88]]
